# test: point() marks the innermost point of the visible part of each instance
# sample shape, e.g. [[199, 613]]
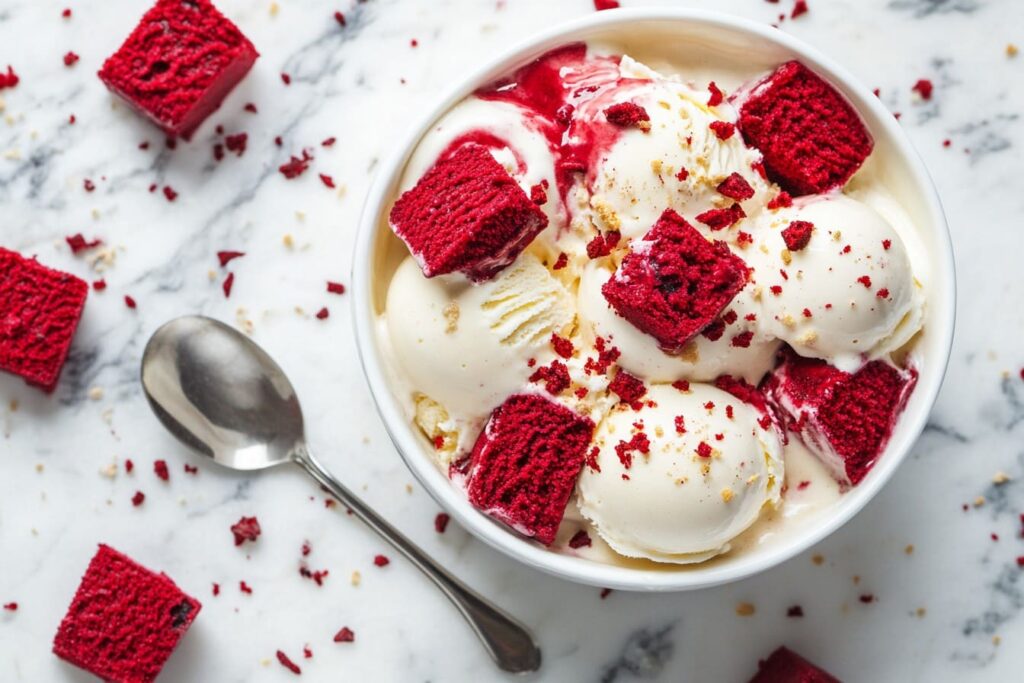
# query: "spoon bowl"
[[219, 392]]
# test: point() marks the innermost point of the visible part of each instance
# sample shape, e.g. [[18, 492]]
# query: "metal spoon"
[[221, 394]]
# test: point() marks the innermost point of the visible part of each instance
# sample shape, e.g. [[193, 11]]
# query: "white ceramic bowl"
[[717, 35]]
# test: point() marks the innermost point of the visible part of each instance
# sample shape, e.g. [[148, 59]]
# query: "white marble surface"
[[55, 504]]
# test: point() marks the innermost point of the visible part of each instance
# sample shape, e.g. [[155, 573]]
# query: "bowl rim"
[[578, 570]]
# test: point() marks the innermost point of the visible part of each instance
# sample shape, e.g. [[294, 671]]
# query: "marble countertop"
[[950, 608]]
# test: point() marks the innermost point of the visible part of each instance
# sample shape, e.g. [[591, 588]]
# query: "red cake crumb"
[[306, 652], [179, 64], [743, 339], [628, 388], [10, 79], [170, 193], [236, 143], [602, 245], [538, 195], [811, 137], [229, 282], [340, 18], [601, 5], [865, 280], [562, 346], [561, 262], [124, 621], [381, 560], [846, 419], [328, 142], [441, 522], [39, 312], [676, 283], [780, 201], [628, 115], [251, 108], [66, 13], [638, 443], [226, 257], [703, 450], [799, 8], [323, 314], [287, 663], [129, 466], [715, 95], [296, 166], [466, 214], [130, 302], [555, 377], [797, 235], [335, 287], [327, 180], [161, 471], [244, 587], [345, 635], [785, 666], [924, 88], [719, 219], [524, 463], [78, 243], [70, 58], [246, 529], [11, 607], [722, 129], [191, 469], [581, 539], [735, 187]]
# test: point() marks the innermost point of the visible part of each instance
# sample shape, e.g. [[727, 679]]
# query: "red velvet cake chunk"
[[39, 312], [179, 64], [524, 464], [673, 282], [466, 214], [845, 419], [124, 621], [812, 139], [786, 666]]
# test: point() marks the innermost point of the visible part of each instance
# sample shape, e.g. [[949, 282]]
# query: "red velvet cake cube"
[[786, 666], [124, 621], [812, 139], [466, 214], [845, 419], [179, 64], [525, 462], [39, 312], [674, 282]]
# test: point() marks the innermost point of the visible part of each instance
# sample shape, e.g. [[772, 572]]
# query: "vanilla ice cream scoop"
[[740, 350], [678, 163], [848, 295], [679, 489], [465, 347]]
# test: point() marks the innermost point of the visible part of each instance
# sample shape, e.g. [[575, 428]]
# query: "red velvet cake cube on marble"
[[124, 621], [524, 464], [179, 64], [674, 282], [39, 313], [811, 137], [845, 419], [466, 214], [786, 666]]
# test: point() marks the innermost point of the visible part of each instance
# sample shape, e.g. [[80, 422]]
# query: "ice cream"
[[466, 347], [848, 294], [609, 386], [686, 483], [677, 162]]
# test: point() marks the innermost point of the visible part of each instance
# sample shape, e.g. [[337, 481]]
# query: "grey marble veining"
[[953, 609]]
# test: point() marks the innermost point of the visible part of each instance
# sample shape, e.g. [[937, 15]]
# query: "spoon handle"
[[508, 643]]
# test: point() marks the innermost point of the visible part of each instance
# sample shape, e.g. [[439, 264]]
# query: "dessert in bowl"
[[656, 301]]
